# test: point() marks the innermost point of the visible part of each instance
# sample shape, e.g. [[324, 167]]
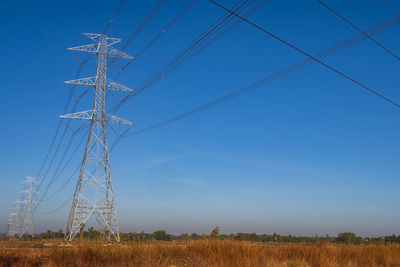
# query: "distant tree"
[[265, 238], [253, 237], [195, 236], [127, 236], [60, 233], [91, 233], [348, 238], [142, 236], [392, 239], [215, 232], [240, 237], [161, 235], [276, 237], [51, 234], [184, 236]]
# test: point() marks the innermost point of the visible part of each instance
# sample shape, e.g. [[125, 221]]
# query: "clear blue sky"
[[310, 153]]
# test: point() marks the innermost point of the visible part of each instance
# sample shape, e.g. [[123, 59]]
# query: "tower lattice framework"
[[27, 217], [14, 220], [21, 218], [94, 193]]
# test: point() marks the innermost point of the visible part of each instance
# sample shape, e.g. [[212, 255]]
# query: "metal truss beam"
[[88, 115], [91, 81]]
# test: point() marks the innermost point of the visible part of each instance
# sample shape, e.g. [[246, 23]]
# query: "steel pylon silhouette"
[[94, 193], [27, 217], [14, 220], [21, 218]]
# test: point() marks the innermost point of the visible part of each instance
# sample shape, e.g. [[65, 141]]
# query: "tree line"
[[161, 235]]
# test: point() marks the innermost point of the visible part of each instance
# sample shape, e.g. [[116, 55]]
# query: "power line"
[[58, 170], [202, 41], [59, 122], [358, 29], [159, 74], [152, 13], [67, 124], [58, 208], [64, 184], [151, 42], [188, 50], [141, 26], [56, 175], [279, 74], [157, 36], [166, 28], [53, 159], [276, 75], [133, 36], [157, 6], [310, 56], [221, 33], [334, 49], [389, 7], [72, 175], [111, 20]]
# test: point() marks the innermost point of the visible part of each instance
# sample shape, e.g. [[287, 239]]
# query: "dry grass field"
[[196, 253]]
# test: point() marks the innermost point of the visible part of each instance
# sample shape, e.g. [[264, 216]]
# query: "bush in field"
[[161, 235], [348, 238], [215, 232], [184, 236], [51, 234], [195, 236], [91, 233]]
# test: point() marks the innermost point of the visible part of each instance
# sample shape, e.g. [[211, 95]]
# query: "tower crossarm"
[[90, 48], [111, 118], [88, 115], [95, 37], [113, 52], [81, 115], [94, 48], [91, 81], [111, 85]]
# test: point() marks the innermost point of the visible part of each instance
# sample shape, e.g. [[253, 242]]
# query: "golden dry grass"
[[203, 253]]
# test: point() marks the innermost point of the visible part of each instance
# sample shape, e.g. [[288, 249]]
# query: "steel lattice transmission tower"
[[21, 218], [14, 220], [94, 193], [27, 218]]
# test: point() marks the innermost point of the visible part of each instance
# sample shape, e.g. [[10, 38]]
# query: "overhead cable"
[[376, 93], [358, 29]]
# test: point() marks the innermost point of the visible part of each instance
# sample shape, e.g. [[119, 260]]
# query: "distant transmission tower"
[[11, 225], [14, 220], [94, 193], [27, 218], [21, 218]]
